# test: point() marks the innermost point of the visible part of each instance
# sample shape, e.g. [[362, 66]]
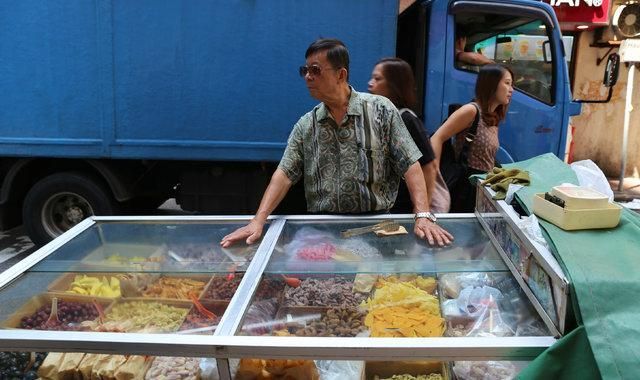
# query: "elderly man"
[[352, 150]]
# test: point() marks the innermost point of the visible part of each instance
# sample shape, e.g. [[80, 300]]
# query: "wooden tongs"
[[387, 225]]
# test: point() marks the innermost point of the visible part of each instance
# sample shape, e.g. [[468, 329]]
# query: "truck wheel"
[[60, 201]]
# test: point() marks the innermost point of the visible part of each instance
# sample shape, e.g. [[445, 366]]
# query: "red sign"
[[573, 13]]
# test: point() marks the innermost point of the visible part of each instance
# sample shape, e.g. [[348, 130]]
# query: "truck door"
[[524, 36]]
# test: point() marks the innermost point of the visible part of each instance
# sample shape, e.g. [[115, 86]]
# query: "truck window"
[[519, 42]]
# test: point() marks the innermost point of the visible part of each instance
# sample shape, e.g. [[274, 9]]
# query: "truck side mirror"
[[611, 71], [610, 78]]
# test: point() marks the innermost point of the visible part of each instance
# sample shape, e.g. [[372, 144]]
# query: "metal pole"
[[627, 116]]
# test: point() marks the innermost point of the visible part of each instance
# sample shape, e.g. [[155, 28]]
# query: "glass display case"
[[317, 297]]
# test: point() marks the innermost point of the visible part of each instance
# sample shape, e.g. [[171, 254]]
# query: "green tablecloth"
[[603, 267]]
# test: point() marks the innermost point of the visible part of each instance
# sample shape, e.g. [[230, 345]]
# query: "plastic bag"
[[310, 243], [360, 248], [590, 175], [490, 370], [452, 283], [531, 327], [260, 317], [490, 322], [531, 227], [209, 369], [473, 300], [511, 191], [339, 369]]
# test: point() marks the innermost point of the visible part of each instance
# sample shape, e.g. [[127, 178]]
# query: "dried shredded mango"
[[403, 294], [403, 310], [427, 284], [397, 321]]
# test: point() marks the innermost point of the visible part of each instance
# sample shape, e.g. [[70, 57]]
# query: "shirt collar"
[[354, 107]]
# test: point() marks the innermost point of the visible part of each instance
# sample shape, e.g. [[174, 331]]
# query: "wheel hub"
[[63, 211], [74, 214]]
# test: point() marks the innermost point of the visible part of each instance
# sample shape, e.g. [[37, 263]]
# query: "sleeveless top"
[[482, 152]]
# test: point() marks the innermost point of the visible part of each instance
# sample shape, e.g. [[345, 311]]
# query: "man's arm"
[[277, 189], [473, 58], [423, 228]]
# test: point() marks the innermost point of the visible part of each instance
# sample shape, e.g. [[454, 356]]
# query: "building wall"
[[598, 129]]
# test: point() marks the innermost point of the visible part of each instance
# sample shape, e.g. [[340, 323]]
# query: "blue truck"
[[115, 106]]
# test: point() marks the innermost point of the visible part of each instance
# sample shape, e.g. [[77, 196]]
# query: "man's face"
[[321, 78]]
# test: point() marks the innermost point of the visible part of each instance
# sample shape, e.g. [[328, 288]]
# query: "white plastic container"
[[577, 219], [579, 198]]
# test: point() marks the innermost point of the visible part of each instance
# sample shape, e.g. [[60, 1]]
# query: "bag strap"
[[470, 136], [403, 110]]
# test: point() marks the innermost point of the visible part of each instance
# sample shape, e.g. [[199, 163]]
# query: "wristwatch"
[[427, 215]]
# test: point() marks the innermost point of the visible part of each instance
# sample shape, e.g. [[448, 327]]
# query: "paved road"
[[15, 245]]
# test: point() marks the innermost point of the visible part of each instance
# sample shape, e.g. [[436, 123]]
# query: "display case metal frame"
[[536, 253], [225, 345]]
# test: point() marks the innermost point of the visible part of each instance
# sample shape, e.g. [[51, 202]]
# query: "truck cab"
[[523, 35]]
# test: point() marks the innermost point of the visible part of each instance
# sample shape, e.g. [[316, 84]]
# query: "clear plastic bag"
[[339, 369], [310, 243], [589, 175], [473, 299], [490, 323], [452, 283], [531, 327], [481, 304], [489, 370], [260, 316], [209, 369]]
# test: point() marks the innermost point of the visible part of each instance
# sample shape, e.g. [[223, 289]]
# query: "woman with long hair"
[[393, 79], [494, 88]]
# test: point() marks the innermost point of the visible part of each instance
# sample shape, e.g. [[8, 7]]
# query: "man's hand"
[[251, 232], [426, 229]]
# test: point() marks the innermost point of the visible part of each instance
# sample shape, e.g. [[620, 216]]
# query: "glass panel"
[[151, 247], [143, 277], [320, 283], [455, 304], [317, 247], [28, 302]]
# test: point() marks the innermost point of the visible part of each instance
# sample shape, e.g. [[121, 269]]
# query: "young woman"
[[493, 94], [393, 79]]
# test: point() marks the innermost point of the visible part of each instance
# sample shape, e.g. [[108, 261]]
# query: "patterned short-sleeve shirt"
[[353, 167]]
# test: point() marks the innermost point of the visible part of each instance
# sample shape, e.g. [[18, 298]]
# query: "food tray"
[[202, 278], [35, 302], [63, 283], [98, 259], [386, 369], [308, 313], [196, 253], [222, 280], [216, 307], [306, 286], [308, 321], [579, 198], [175, 303], [568, 219]]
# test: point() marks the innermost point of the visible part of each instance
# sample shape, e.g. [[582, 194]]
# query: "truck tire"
[[58, 202]]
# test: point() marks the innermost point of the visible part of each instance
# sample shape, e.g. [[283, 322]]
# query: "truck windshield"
[[524, 45]]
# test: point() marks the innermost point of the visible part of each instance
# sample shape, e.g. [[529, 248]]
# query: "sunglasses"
[[313, 70]]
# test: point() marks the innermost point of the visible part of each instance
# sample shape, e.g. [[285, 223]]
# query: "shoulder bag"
[[454, 168]]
